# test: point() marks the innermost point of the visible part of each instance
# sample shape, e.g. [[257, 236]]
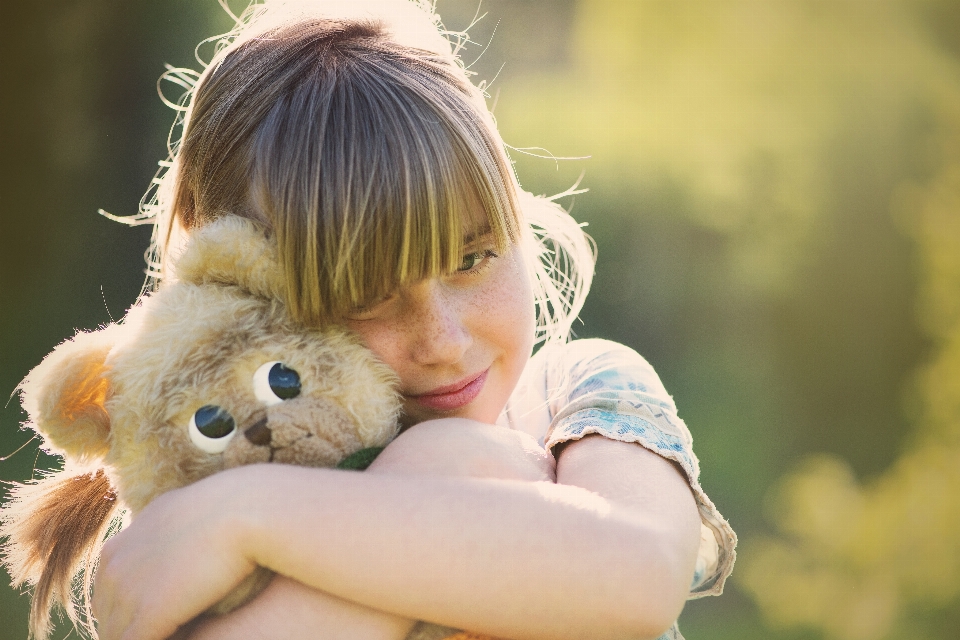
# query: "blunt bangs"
[[373, 170]]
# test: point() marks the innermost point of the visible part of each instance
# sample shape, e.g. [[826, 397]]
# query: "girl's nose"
[[438, 331]]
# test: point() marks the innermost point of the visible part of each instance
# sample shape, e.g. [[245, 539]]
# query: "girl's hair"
[[367, 156]]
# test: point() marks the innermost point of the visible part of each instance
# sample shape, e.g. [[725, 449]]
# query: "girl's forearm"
[[515, 558], [288, 609], [467, 552]]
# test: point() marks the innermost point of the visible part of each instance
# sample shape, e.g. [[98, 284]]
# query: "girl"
[[546, 497]]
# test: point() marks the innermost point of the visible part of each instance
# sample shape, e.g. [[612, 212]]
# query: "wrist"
[[250, 502]]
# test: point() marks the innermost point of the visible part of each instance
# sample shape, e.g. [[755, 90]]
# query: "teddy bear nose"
[[259, 432]]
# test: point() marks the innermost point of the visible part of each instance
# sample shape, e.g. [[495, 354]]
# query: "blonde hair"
[[362, 147]]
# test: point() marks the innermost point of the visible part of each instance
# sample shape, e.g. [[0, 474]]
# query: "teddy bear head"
[[205, 374]]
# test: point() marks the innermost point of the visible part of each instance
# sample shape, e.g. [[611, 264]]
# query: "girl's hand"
[[456, 447], [180, 555]]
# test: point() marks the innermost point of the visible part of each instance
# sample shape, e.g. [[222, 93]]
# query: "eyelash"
[[357, 312], [481, 263]]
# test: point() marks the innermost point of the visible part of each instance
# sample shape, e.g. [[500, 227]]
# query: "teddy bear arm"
[[244, 592], [430, 631]]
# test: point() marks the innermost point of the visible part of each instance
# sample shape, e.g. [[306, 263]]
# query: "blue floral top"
[[568, 391]]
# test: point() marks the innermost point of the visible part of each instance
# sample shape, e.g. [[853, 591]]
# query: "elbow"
[[652, 617], [646, 621], [628, 583], [639, 597], [662, 573]]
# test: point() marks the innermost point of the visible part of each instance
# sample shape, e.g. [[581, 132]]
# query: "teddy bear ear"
[[66, 394], [234, 251]]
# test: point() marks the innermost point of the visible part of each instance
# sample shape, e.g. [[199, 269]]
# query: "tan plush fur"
[[122, 398]]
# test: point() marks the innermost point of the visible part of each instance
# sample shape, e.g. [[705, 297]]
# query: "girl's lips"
[[453, 396]]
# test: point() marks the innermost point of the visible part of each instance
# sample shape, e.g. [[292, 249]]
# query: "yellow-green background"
[[775, 192]]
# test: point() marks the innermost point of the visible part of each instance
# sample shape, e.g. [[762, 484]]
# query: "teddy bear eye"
[[275, 382], [211, 428]]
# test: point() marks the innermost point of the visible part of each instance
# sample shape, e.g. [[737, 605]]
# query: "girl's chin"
[[416, 415]]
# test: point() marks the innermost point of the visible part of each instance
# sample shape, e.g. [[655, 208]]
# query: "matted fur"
[[122, 399]]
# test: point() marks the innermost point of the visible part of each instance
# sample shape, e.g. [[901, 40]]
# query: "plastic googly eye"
[[211, 428], [275, 382]]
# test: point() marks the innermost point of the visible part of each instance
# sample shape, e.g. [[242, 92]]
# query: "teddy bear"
[[205, 374]]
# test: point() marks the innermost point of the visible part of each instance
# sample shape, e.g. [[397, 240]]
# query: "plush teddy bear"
[[206, 374]]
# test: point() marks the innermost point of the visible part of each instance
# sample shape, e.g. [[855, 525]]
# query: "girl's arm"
[[288, 609], [511, 558]]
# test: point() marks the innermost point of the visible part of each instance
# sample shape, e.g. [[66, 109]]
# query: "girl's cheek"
[[508, 313], [518, 296], [379, 339]]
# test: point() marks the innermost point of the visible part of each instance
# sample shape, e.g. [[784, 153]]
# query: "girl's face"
[[459, 342]]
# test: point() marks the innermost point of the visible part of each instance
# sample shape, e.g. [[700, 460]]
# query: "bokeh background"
[[775, 192]]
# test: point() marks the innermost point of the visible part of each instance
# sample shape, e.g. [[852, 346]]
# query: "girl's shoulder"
[[561, 375], [601, 387], [578, 367], [584, 387]]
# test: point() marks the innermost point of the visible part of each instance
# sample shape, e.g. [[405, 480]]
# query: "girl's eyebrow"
[[473, 236]]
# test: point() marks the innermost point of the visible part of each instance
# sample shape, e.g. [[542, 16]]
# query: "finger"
[[111, 617], [114, 598], [102, 602]]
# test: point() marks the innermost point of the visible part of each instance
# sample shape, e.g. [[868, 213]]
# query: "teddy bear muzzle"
[[259, 434], [311, 432]]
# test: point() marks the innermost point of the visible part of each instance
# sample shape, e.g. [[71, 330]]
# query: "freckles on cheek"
[[506, 310], [378, 341]]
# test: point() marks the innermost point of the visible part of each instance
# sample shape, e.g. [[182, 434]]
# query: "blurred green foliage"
[[775, 192]]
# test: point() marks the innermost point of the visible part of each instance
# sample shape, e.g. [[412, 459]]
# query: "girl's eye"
[[473, 260], [275, 382], [211, 428], [363, 312]]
